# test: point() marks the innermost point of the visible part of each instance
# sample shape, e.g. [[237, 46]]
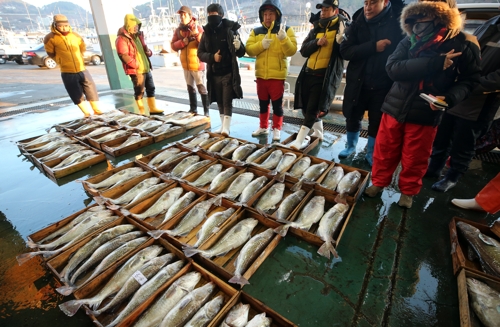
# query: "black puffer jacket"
[[455, 83], [366, 68]]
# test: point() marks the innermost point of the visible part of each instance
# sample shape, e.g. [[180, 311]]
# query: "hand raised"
[[266, 42], [448, 61], [237, 42]]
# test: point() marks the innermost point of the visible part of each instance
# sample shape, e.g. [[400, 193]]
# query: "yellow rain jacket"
[[67, 50]]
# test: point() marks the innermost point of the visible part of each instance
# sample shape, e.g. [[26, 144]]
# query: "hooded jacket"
[[271, 63], [455, 83], [67, 50], [189, 53], [126, 47]]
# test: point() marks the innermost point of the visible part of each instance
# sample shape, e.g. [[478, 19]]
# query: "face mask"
[[423, 28], [214, 20]]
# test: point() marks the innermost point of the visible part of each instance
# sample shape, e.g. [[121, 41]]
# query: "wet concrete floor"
[[395, 267]]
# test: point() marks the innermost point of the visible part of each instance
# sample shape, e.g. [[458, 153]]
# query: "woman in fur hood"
[[435, 58]]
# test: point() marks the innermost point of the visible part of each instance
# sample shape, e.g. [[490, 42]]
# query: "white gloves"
[[281, 35], [237, 42], [266, 42]]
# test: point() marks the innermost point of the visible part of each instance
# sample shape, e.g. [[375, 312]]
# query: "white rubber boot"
[[318, 130], [226, 123], [469, 204], [218, 131], [297, 144]]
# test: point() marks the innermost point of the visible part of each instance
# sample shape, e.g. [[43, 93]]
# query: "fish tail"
[[100, 200], [239, 280], [273, 172], [340, 198], [65, 290], [71, 307], [282, 230], [280, 178], [326, 249], [32, 244], [25, 257], [189, 252], [297, 186], [156, 234]]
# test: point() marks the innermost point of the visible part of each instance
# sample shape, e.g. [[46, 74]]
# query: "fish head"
[[468, 231]]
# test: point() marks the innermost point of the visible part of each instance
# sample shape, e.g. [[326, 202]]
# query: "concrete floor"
[[395, 267]]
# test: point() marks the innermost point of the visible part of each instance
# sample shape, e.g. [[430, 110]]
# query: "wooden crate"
[[312, 144], [25, 150], [266, 155], [144, 161], [102, 176], [98, 145], [256, 307], [459, 247], [34, 157], [84, 138], [110, 147], [74, 123], [314, 161], [21, 143], [167, 169], [225, 165], [169, 133], [153, 223], [201, 121], [259, 146], [182, 143], [365, 178], [224, 266], [48, 165], [467, 317]]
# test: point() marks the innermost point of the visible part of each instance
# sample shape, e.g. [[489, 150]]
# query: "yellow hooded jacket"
[[67, 50]]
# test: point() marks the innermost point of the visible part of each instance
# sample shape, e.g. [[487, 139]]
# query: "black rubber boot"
[[193, 103], [434, 169], [206, 104], [448, 182]]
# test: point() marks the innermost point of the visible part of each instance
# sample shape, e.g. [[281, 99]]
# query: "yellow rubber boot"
[[84, 108], [95, 107], [152, 106], [140, 105]]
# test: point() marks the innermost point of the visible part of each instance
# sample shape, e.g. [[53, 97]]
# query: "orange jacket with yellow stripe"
[[67, 50]]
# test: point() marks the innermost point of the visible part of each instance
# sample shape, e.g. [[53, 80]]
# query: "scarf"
[[420, 45]]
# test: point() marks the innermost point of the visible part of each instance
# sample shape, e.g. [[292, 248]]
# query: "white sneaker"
[[276, 134], [261, 131]]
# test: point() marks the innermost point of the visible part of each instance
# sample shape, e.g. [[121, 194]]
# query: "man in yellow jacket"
[[271, 43], [66, 48]]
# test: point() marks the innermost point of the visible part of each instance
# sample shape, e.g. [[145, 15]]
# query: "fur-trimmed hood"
[[449, 17]]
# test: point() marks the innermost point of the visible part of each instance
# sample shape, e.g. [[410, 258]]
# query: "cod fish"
[[188, 306], [197, 140], [75, 158], [237, 316], [310, 175], [257, 154], [175, 116], [184, 164], [99, 131], [209, 141], [219, 145], [113, 135], [87, 126], [166, 301], [272, 161], [260, 320], [163, 203], [233, 144], [206, 313], [162, 129], [328, 225], [270, 198], [41, 139], [178, 205], [289, 203], [116, 282], [171, 159], [132, 139], [285, 162], [333, 178], [149, 125], [136, 121], [55, 143], [485, 248], [136, 191], [300, 167], [252, 188], [311, 214], [63, 151], [243, 151], [485, 302], [162, 156], [237, 186], [194, 167], [221, 178], [347, 185], [187, 121], [211, 225], [146, 290], [118, 178], [235, 237], [207, 176], [251, 250]]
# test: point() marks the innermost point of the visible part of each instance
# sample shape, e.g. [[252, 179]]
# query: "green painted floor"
[[395, 267]]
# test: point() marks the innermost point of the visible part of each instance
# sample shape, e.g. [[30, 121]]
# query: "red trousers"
[[409, 143], [489, 197]]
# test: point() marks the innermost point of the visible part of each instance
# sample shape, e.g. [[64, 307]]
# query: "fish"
[[171, 159], [126, 119], [270, 198], [242, 152], [485, 302], [149, 125], [162, 156], [63, 151], [257, 154], [300, 167], [310, 214], [211, 225], [333, 178], [188, 306], [194, 167], [347, 185], [148, 289], [285, 162], [272, 161], [163, 203], [485, 248], [252, 188], [328, 225], [209, 141], [289, 203], [176, 116], [187, 121], [206, 313], [115, 282], [88, 249], [184, 164], [233, 144], [207, 176], [238, 184], [99, 131], [42, 139], [55, 143], [197, 140], [137, 120], [235, 237], [260, 320], [310, 175], [219, 145], [113, 135], [136, 191], [75, 158], [221, 178], [251, 250], [162, 129], [237, 316], [118, 178], [166, 301], [178, 205], [87, 126], [148, 270], [132, 139]]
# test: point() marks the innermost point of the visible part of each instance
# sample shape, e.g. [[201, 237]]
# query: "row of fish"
[[238, 317], [117, 178]]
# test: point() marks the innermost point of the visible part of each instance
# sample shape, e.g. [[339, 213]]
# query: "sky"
[[85, 4]]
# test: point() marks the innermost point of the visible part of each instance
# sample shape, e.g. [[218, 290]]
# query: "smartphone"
[[440, 104]]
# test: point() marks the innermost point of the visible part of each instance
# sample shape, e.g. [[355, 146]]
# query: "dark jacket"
[[126, 48], [480, 105], [366, 68], [455, 83], [334, 71], [207, 49]]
